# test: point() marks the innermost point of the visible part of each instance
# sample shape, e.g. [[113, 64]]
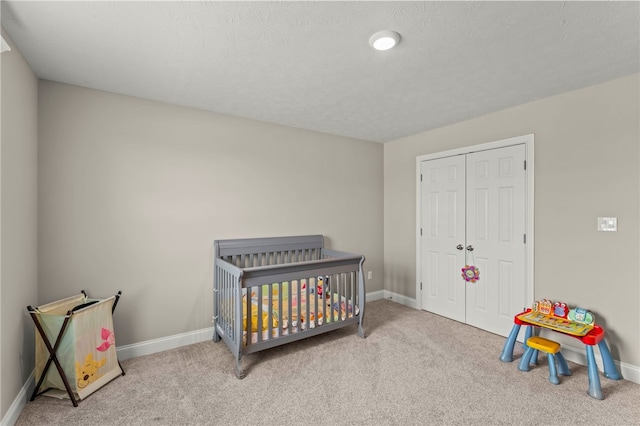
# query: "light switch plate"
[[609, 224]]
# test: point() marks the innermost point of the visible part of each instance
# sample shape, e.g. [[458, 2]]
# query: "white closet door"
[[495, 230], [443, 233], [472, 212]]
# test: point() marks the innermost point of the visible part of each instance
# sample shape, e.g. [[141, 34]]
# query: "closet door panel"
[[495, 231], [443, 228]]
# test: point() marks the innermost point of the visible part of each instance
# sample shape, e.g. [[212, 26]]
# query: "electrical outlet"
[[370, 275]]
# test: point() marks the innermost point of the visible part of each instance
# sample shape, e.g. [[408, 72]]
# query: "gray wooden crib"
[[272, 291]]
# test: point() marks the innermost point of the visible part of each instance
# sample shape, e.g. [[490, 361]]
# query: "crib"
[[272, 291]]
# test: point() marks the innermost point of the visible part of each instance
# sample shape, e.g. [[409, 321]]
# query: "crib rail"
[[253, 252], [270, 294]]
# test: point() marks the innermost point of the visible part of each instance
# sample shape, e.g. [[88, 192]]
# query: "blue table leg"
[[610, 369], [563, 367], [594, 379], [523, 365], [507, 350], [528, 332]]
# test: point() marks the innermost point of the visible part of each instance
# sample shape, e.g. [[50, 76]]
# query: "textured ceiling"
[[309, 65]]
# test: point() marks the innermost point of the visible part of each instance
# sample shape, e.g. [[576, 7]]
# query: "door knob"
[[460, 247], [470, 247]]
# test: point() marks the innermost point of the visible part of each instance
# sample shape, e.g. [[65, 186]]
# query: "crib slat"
[[349, 300], [225, 302], [315, 299], [289, 308], [259, 327], [228, 314], [216, 296], [248, 327], [229, 305], [298, 297], [348, 295], [224, 297], [280, 309], [343, 296], [325, 293], [343, 290], [270, 312], [340, 294], [306, 318]]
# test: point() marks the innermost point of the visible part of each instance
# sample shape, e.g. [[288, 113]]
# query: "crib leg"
[[361, 319], [239, 372], [216, 336]]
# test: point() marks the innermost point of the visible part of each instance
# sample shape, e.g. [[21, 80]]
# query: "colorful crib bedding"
[[287, 308]]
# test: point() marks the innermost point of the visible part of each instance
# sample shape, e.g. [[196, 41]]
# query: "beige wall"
[[586, 165], [18, 222], [133, 193]]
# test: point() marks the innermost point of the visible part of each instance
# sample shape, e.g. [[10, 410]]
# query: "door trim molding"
[[527, 140]]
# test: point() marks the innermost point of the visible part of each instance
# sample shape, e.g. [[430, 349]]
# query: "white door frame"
[[527, 140]]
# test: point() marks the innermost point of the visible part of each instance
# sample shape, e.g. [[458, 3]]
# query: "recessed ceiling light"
[[384, 40]]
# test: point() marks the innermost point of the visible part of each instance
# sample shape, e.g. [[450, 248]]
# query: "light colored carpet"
[[413, 368]]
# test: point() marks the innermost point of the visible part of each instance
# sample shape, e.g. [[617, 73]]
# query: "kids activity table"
[[591, 335]]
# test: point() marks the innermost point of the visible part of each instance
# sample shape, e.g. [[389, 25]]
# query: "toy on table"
[[560, 309], [557, 316], [581, 315], [543, 306]]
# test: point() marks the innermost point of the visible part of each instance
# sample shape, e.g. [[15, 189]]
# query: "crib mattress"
[[271, 299]]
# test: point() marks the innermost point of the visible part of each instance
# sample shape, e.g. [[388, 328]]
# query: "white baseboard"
[[395, 297], [375, 295], [149, 347], [12, 414]]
